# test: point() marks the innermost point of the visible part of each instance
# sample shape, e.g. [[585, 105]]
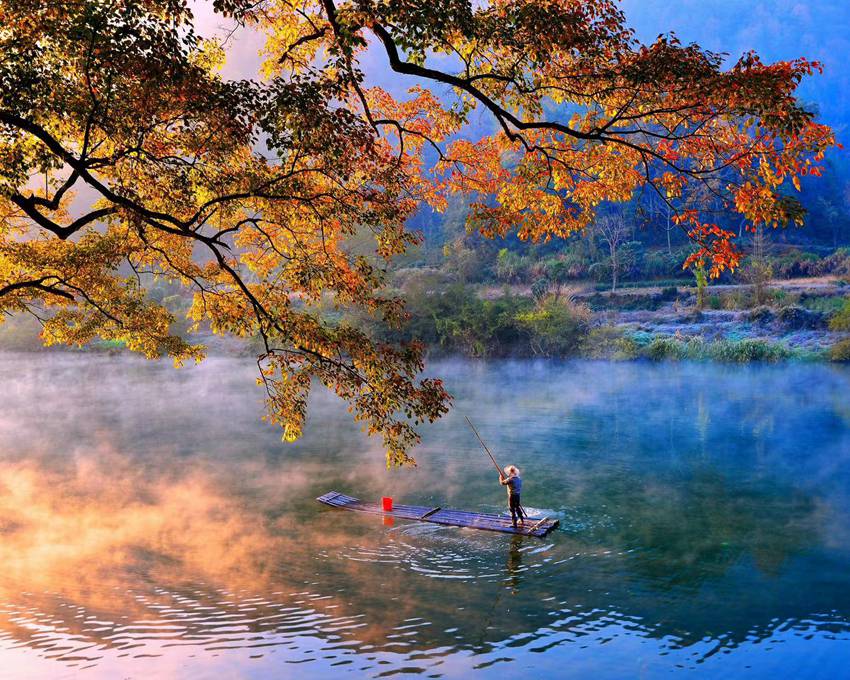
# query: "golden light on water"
[[146, 535]]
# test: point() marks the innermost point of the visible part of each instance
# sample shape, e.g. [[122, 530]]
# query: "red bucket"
[[387, 503]]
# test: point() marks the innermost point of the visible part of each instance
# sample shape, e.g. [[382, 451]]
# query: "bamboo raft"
[[457, 518]]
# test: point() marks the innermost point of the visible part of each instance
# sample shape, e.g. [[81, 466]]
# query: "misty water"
[[152, 526]]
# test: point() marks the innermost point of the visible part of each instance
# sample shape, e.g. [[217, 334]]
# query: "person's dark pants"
[[516, 509]]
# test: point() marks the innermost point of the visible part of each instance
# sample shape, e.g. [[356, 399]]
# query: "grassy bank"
[[456, 319]]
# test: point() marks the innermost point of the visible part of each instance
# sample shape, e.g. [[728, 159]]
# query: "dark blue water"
[[152, 526]]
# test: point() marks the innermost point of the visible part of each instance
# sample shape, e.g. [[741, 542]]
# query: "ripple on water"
[[453, 553], [307, 624], [692, 528], [205, 619]]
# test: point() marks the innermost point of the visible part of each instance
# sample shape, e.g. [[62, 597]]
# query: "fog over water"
[[152, 526]]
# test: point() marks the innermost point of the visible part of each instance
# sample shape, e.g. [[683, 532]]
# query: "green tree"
[[702, 284]]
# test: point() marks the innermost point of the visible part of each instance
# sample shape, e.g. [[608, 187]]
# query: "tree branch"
[[38, 284]]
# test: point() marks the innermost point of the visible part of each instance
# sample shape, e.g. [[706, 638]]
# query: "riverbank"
[[805, 319], [794, 319], [798, 319]]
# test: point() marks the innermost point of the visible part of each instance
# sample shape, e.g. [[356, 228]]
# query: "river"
[[151, 525]]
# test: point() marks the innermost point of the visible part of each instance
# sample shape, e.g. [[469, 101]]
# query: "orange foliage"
[[132, 105]]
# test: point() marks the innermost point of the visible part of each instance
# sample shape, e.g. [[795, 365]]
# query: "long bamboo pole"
[[523, 513], [501, 474]]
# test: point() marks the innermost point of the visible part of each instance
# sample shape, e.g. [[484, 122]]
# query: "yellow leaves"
[[267, 245], [291, 432], [672, 184], [197, 310], [210, 55], [473, 167], [204, 193], [418, 122], [293, 37]]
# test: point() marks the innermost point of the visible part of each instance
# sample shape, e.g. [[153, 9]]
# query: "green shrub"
[[840, 321], [482, 328], [824, 304], [453, 319], [840, 351], [661, 349], [714, 302], [745, 351], [609, 342], [731, 351], [556, 326]]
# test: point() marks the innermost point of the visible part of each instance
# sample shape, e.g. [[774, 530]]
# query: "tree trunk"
[[614, 268]]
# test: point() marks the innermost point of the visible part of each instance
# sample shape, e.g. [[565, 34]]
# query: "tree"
[[758, 270], [556, 326], [831, 214], [614, 232], [655, 208], [702, 283], [557, 274], [245, 193]]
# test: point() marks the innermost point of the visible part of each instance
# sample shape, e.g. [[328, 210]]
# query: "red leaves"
[[664, 117], [715, 246]]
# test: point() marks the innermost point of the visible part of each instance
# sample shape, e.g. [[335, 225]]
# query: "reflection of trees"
[[101, 556], [841, 404], [205, 553], [125, 538], [181, 553], [700, 554], [692, 529]]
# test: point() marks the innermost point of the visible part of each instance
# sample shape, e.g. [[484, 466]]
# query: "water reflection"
[[514, 564], [150, 525]]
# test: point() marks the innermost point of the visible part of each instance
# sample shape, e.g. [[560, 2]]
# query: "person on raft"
[[513, 481]]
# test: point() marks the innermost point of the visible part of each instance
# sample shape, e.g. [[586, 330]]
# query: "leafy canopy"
[[247, 193]]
